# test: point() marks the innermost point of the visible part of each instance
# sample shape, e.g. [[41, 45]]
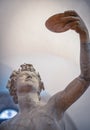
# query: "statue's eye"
[[7, 114]]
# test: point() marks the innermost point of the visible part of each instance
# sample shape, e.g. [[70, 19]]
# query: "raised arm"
[[61, 23]]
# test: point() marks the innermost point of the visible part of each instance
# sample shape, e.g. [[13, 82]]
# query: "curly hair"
[[13, 78]]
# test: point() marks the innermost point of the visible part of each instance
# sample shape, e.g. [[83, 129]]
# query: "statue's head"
[[24, 80]]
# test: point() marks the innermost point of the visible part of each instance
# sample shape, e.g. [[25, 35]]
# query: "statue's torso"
[[37, 119]]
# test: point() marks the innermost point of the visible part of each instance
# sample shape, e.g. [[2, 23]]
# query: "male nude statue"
[[25, 84]]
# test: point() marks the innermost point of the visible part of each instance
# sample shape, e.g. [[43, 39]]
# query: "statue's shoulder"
[[15, 124], [8, 124], [4, 125]]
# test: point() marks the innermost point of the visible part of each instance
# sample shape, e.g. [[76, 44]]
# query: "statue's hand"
[[65, 21]]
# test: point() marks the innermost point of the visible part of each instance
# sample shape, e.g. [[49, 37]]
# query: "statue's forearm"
[[85, 57], [79, 85]]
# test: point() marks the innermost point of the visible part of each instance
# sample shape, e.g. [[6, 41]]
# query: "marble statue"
[[25, 84]]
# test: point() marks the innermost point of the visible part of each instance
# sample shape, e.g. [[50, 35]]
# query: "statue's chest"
[[37, 120]]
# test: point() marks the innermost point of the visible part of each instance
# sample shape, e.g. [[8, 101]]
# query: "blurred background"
[[25, 39]]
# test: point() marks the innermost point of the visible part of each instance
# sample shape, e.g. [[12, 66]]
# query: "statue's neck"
[[28, 101]]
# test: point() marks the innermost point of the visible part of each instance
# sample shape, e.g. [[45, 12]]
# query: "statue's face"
[[27, 82]]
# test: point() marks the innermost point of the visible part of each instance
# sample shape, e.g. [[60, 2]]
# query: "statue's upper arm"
[[64, 99]]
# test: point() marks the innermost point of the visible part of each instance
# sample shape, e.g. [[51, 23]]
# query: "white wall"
[[24, 39]]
